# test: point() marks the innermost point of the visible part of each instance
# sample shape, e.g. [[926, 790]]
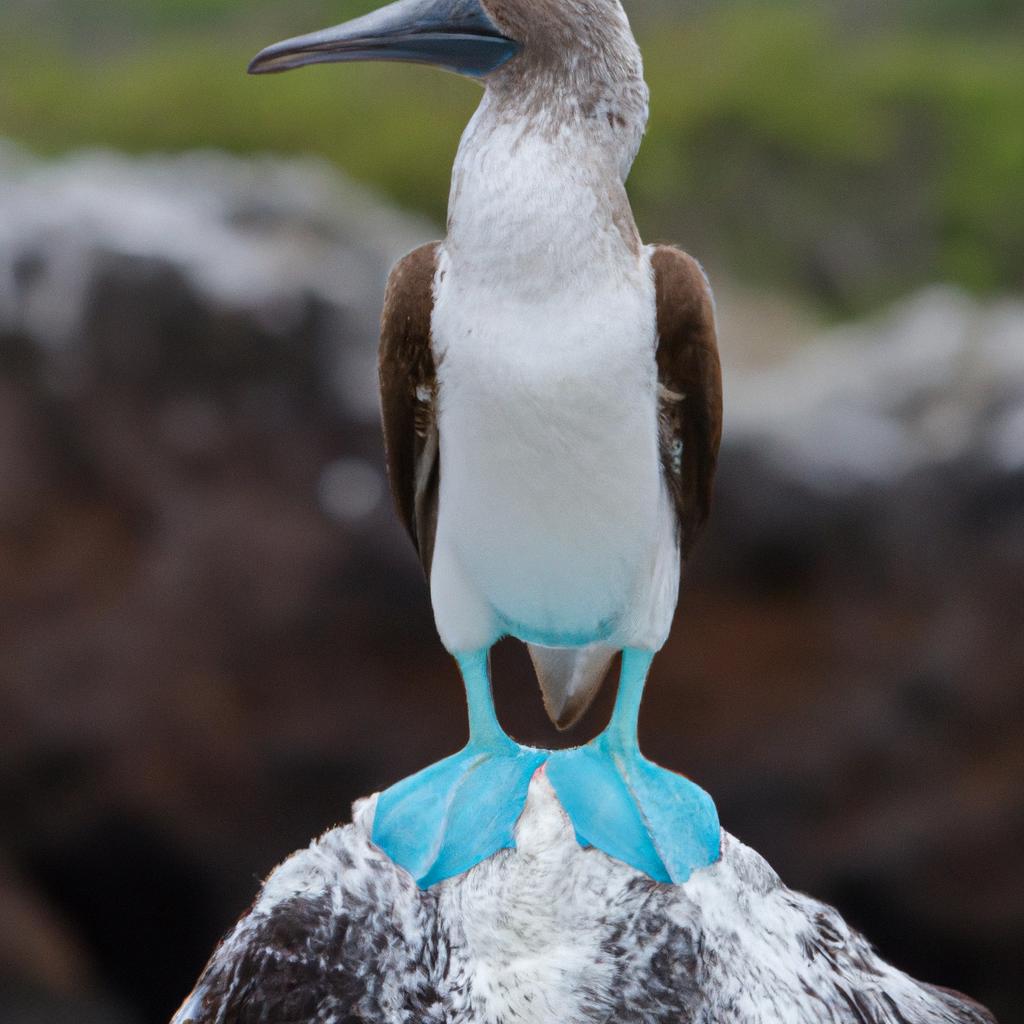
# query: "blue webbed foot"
[[449, 817], [654, 820]]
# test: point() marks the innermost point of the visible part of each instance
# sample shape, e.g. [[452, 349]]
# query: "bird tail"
[[569, 678]]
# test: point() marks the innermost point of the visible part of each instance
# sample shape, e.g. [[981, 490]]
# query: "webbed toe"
[[651, 818], [444, 820]]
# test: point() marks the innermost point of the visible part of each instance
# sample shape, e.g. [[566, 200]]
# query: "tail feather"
[[569, 678]]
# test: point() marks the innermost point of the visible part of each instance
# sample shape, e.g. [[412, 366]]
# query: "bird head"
[[575, 40], [544, 62]]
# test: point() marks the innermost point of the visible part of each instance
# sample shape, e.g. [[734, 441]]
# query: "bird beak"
[[457, 35]]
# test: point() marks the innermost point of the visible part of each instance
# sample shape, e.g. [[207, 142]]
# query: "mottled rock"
[[548, 931]]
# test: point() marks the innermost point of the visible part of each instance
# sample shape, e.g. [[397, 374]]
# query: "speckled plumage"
[[547, 933]]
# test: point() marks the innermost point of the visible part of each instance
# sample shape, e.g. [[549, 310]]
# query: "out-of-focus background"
[[213, 634]]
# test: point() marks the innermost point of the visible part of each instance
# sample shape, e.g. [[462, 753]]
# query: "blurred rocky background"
[[213, 634]]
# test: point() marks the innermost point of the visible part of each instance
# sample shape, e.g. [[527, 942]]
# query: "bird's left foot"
[[449, 817], [651, 818]]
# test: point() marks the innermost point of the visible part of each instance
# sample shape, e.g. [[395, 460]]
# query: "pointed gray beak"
[[457, 35]]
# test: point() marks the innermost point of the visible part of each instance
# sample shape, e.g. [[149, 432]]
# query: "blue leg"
[[656, 821], [454, 814]]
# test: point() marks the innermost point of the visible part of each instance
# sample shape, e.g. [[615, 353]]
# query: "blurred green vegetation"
[[845, 154]]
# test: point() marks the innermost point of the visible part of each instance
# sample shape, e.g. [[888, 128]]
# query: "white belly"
[[552, 509]]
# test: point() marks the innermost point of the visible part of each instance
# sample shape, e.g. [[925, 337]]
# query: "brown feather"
[[690, 387], [408, 388]]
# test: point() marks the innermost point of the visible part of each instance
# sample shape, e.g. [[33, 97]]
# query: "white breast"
[[552, 509]]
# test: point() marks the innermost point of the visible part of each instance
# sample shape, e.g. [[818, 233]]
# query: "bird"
[[551, 399]]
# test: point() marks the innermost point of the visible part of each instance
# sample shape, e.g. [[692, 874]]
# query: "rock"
[[939, 379], [35, 946], [547, 931]]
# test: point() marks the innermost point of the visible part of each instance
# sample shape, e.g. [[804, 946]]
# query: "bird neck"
[[538, 193]]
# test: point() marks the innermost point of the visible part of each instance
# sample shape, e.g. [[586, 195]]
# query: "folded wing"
[[408, 390], [689, 387]]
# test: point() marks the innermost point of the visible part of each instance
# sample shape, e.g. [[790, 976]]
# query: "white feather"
[[554, 521]]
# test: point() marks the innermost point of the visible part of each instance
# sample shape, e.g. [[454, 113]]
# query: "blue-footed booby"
[[551, 399]]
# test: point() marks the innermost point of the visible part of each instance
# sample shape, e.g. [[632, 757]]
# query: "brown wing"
[[690, 387], [408, 389]]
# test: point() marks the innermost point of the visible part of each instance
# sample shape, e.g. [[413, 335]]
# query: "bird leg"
[[622, 728], [444, 820], [653, 819], [449, 817], [485, 731]]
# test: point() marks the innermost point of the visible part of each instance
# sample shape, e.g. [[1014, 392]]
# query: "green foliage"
[[396, 127], [853, 166], [848, 164]]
